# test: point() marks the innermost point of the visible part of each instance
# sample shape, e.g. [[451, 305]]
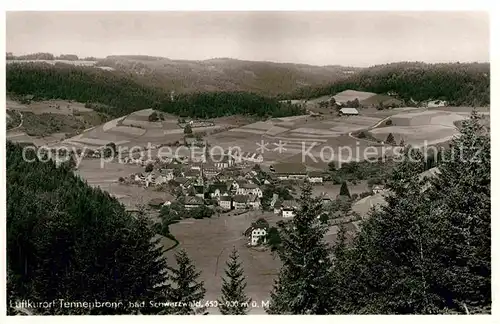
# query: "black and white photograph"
[[247, 163]]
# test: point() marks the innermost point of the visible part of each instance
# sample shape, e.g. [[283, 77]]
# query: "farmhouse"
[[218, 190], [315, 176], [249, 189], [222, 161], [257, 234], [240, 202], [289, 208], [246, 201], [193, 202], [225, 202], [349, 112], [436, 103], [377, 189], [285, 171], [156, 202]]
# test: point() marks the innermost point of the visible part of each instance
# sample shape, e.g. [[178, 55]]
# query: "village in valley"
[[208, 185]]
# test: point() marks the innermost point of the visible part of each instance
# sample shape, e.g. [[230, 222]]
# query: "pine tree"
[[188, 130], [79, 242], [390, 139], [463, 190], [344, 190], [233, 300], [304, 284], [428, 250], [186, 290]]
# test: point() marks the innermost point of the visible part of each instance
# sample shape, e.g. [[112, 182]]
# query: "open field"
[[299, 134], [63, 107], [107, 179], [50, 121], [433, 126], [350, 95], [52, 62], [209, 242]]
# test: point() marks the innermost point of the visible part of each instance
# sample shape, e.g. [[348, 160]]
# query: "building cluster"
[[224, 181]]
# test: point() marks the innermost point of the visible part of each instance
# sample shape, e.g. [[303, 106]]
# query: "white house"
[[249, 189], [289, 208], [436, 103], [225, 202], [315, 177], [258, 235], [287, 212], [349, 112], [377, 189], [222, 161]]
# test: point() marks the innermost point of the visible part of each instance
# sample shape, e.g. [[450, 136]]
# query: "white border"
[[267, 5]]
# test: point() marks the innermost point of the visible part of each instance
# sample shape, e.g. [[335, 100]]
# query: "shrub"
[[149, 167]]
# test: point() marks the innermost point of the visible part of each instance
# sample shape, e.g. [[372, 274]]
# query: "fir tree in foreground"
[[233, 300], [186, 289], [67, 240], [390, 139], [428, 250], [344, 190], [304, 284]]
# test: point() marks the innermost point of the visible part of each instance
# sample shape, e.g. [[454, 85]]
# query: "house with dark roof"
[[191, 202], [289, 208], [225, 202], [199, 191], [191, 174], [256, 233], [246, 201], [217, 190], [240, 202], [285, 171], [249, 189]]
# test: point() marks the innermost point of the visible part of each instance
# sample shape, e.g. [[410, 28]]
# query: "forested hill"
[[225, 74], [460, 84], [66, 240], [124, 92]]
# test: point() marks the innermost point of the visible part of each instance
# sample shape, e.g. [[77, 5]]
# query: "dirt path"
[[20, 124], [369, 128]]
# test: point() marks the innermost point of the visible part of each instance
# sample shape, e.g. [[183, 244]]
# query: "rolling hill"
[[225, 74]]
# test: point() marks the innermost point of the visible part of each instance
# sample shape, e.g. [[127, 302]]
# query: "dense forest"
[[427, 251], [70, 243], [461, 84], [225, 74], [123, 93], [67, 240]]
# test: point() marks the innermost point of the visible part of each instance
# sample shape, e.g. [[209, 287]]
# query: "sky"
[[317, 38]]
